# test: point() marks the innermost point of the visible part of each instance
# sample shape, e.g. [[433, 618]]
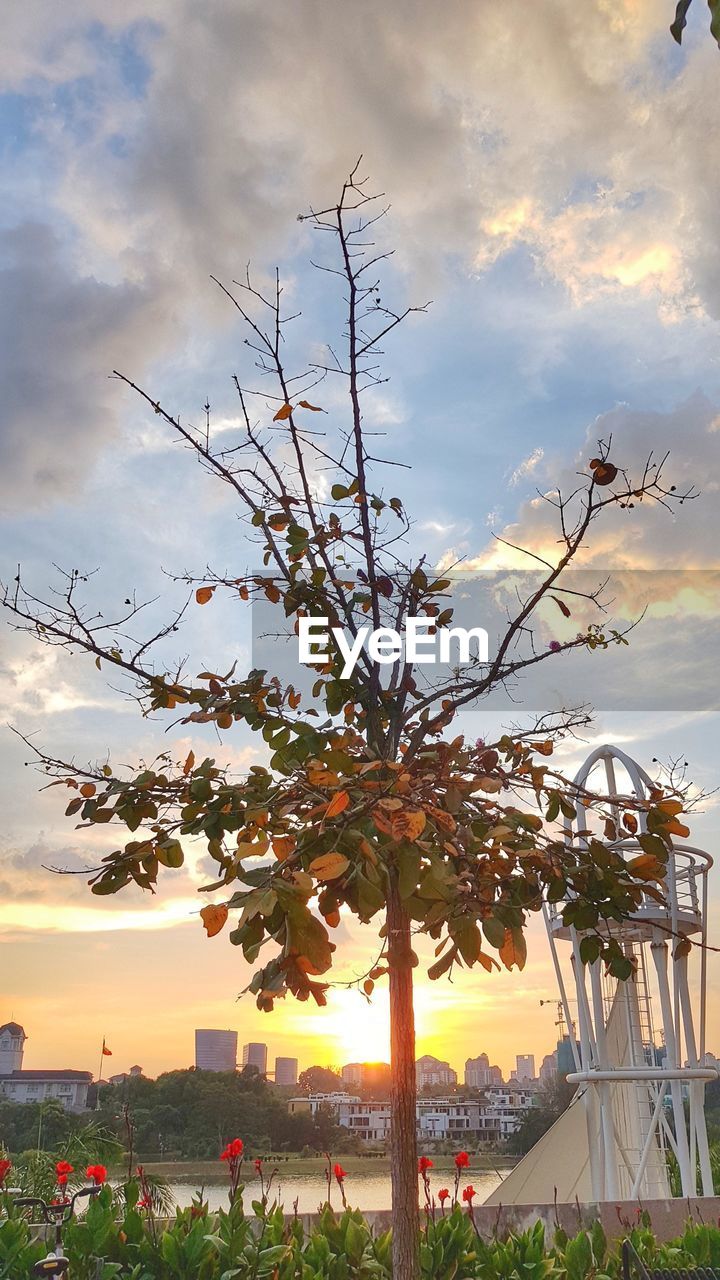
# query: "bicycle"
[[56, 1264]]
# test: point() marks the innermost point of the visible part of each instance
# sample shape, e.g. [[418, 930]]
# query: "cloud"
[[649, 536], [187, 140], [59, 333], [527, 466]]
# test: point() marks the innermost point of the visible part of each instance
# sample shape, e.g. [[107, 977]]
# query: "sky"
[[554, 183]]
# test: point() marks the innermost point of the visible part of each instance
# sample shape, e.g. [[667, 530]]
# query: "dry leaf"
[[213, 918]]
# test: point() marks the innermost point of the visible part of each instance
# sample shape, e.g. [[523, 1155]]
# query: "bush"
[[125, 1243]]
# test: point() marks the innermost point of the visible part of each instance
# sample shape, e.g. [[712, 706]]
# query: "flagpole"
[[99, 1079]]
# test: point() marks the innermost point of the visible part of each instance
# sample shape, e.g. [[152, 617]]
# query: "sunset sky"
[[554, 176]]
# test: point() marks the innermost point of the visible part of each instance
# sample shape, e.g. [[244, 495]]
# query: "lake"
[[364, 1190]]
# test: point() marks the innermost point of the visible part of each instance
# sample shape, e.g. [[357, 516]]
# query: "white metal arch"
[[634, 1105]]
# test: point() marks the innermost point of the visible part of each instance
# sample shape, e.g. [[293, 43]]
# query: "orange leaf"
[[646, 867], [338, 803], [244, 593], [283, 846], [283, 412], [329, 866], [408, 824], [305, 404], [382, 822], [88, 789], [673, 807], [513, 950], [204, 594], [675, 828], [213, 918], [630, 823], [189, 762], [561, 606], [442, 819]]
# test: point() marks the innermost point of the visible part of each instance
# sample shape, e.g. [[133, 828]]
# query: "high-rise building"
[[548, 1068], [432, 1072], [525, 1066], [565, 1057], [479, 1073], [286, 1072], [367, 1075], [255, 1055], [215, 1050]]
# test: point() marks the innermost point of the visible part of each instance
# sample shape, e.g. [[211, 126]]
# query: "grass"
[[211, 1171]]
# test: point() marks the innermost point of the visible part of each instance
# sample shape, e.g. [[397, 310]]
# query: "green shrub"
[[118, 1240]]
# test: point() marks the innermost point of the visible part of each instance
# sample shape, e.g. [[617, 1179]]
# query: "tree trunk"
[[403, 1142]]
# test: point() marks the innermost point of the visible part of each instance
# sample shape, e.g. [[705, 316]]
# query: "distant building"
[[479, 1072], [215, 1050], [432, 1073], [548, 1068], [524, 1067], [505, 1107], [70, 1088], [12, 1044], [255, 1055], [565, 1057], [133, 1074], [286, 1072], [314, 1101], [367, 1075], [461, 1121]]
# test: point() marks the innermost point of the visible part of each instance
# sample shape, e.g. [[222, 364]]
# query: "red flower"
[[62, 1167], [424, 1163], [233, 1150], [339, 1172], [468, 1194], [5, 1167], [258, 1164], [97, 1172], [443, 1195], [462, 1160], [62, 1179], [144, 1203]]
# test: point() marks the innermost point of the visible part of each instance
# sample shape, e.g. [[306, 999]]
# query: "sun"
[[360, 1029]]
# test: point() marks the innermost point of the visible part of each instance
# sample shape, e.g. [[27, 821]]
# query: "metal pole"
[[659, 954]]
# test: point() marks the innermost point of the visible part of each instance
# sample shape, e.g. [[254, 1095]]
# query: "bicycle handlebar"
[[51, 1212]]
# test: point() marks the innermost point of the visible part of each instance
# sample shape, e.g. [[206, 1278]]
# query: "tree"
[[553, 1099], [320, 1080], [371, 799]]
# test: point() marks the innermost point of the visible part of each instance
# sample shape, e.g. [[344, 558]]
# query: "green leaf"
[[590, 949], [494, 932], [409, 871], [338, 492], [170, 853]]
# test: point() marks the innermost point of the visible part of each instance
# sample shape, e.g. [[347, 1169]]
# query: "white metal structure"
[[635, 1108]]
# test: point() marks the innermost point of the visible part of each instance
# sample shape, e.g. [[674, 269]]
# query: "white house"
[[70, 1088]]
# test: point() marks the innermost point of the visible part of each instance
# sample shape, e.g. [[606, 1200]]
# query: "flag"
[[107, 1053]]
